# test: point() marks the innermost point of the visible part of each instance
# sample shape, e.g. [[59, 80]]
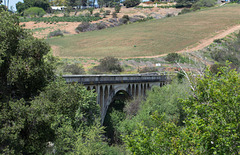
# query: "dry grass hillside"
[[41, 29], [154, 37]]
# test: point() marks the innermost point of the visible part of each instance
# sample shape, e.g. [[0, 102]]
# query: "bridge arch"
[[107, 86]]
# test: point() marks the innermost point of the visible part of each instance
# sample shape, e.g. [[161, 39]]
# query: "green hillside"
[[149, 38]]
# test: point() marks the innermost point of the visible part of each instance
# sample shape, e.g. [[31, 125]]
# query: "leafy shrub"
[[185, 10], [74, 69], [55, 33], [101, 25], [97, 14], [147, 69], [224, 55], [126, 17], [87, 14], [34, 11], [169, 15], [131, 3], [101, 10], [82, 27], [132, 107], [204, 3], [108, 64], [107, 12], [90, 10], [104, 15], [215, 68], [114, 15], [66, 14], [117, 8], [217, 40], [172, 57]]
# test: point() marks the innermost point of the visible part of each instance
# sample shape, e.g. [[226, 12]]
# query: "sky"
[[13, 3]]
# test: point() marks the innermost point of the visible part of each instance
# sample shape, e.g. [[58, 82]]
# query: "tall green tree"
[[39, 114], [32, 3], [25, 64]]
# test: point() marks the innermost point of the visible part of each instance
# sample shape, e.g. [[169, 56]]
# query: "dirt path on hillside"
[[203, 43]]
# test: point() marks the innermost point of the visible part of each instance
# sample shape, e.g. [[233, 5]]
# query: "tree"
[[20, 7], [212, 121], [32, 3], [131, 3], [39, 114], [58, 2], [25, 64], [214, 111], [109, 64], [71, 3], [55, 116]]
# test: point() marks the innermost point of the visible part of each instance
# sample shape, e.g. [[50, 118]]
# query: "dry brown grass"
[[150, 38]]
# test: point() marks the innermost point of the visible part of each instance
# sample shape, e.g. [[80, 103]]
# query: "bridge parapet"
[[114, 79]]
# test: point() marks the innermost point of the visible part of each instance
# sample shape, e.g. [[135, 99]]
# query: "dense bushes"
[[112, 22], [194, 5], [108, 12], [75, 69], [204, 3], [222, 51], [177, 58], [131, 3], [114, 15], [211, 123], [86, 26], [147, 69], [82, 27], [159, 100], [61, 19], [34, 11], [117, 8], [172, 57], [108, 64], [56, 33]]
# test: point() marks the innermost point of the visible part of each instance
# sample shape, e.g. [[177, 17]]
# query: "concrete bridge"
[[107, 86]]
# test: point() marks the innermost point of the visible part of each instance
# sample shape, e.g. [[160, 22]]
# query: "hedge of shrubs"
[[61, 19]]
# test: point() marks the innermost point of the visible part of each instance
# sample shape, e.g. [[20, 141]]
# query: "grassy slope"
[[151, 38]]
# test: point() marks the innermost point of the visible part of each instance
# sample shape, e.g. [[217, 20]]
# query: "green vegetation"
[[227, 49], [34, 11], [22, 6], [147, 69], [210, 125], [131, 3], [56, 33], [75, 69], [61, 19], [39, 112], [196, 3], [107, 65], [154, 37], [144, 7]]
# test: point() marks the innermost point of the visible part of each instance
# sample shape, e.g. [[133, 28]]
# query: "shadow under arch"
[[115, 109]]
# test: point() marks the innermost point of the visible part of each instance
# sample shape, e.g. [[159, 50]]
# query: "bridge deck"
[[114, 79]]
